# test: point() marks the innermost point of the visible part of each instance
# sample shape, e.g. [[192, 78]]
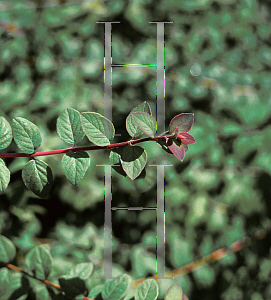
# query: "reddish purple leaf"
[[183, 121], [178, 151], [186, 138]]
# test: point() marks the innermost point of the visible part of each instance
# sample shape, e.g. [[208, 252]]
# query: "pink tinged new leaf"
[[186, 138], [178, 151], [183, 121], [12, 29]]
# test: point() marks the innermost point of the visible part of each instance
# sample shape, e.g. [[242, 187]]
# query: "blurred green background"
[[218, 63]]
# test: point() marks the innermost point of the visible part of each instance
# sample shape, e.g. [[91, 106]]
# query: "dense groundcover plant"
[[38, 279], [217, 60], [125, 158]]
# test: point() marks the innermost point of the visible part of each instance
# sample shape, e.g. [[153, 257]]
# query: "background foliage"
[[218, 62]]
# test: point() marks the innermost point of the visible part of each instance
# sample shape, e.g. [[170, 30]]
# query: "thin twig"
[[61, 151]]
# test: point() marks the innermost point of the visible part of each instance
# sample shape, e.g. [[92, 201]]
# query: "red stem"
[[60, 151]]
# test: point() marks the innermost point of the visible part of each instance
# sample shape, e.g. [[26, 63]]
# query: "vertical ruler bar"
[[108, 69]]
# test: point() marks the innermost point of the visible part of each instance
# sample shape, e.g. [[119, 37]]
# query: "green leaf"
[[39, 261], [116, 288], [5, 279], [5, 133], [147, 290], [18, 287], [131, 126], [95, 291], [72, 286], [82, 270], [40, 290], [4, 176], [26, 135], [175, 292], [134, 159], [69, 127], [75, 165], [115, 156], [98, 129], [184, 122], [38, 177], [145, 122], [114, 159], [204, 276], [7, 249]]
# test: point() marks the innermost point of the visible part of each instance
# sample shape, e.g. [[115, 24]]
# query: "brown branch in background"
[[12, 267], [216, 255]]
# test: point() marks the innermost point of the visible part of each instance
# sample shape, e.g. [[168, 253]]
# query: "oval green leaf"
[[134, 159], [7, 249], [95, 291], [98, 129], [19, 286], [38, 177], [131, 126], [39, 260], [75, 165], [26, 135], [183, 121], [69, 127], [82, 270], [5, 133], [5, 279], [115, 156], [116, 288], [114, 159], [175, 292], [145, 122], [147, 290], [4, 176], [40, 291]]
